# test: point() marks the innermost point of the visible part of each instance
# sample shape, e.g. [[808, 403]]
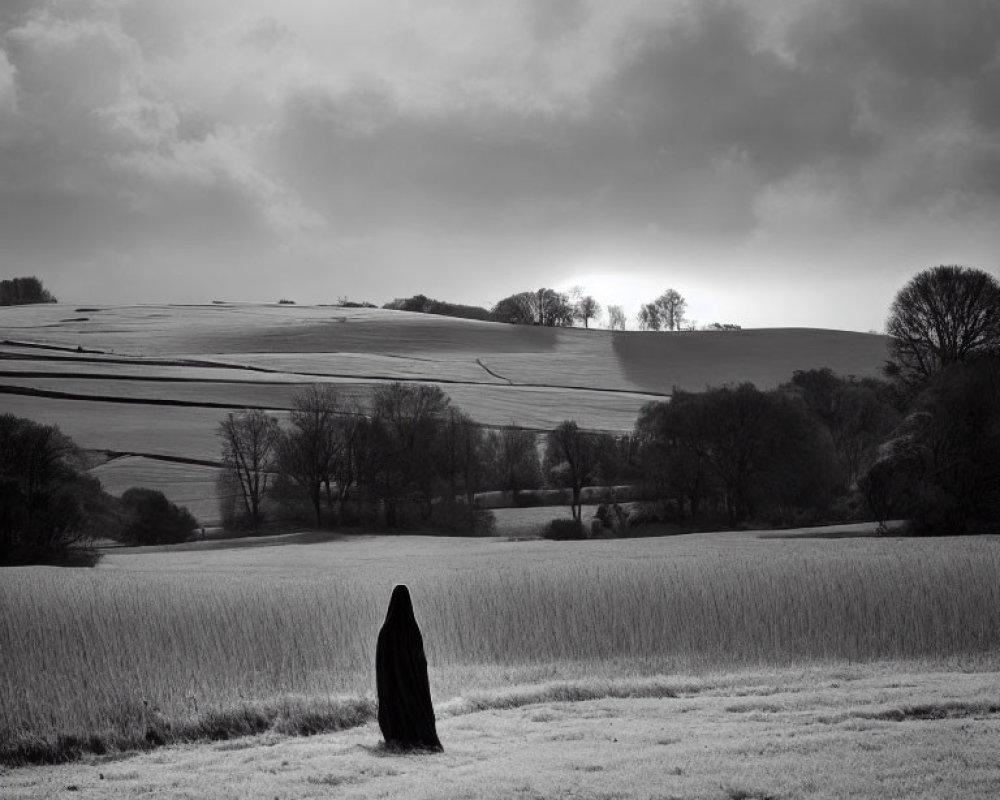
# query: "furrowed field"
[[153, 647]]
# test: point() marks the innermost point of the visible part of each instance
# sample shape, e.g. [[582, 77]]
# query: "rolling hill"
[[147, 385]]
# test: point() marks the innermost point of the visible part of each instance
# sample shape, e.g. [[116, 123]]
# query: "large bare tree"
[[672, 307], [307, 453], [666, 312], [649, 317], [943, 316], [249, 442]]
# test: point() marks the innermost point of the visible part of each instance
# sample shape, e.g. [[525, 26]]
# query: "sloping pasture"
[[652, 362], [457, 369], [174, 431], [243, 328], [540, 408]]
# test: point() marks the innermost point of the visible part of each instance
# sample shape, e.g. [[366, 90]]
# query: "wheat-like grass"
[[162, 642]]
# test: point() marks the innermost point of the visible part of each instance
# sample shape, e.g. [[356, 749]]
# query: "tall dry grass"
[[167, 646]]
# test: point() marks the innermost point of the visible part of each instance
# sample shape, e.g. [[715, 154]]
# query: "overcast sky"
[[777, 163]]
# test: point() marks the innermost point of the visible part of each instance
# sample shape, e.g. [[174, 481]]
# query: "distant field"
[[169, 637], [189, 485], [184, 367], [651, 362]]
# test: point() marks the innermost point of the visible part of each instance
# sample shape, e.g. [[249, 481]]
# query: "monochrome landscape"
[[654, 347]]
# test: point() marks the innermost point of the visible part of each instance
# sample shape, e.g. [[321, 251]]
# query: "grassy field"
[[867, 733], [156, 380], [171, 645]]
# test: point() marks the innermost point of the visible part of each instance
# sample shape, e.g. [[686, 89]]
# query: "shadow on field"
[[863, 530], [239, 542]]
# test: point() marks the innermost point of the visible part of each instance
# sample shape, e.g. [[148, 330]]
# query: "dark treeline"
[[406, 459], [738, 455], [425, 305], [940, 467], [820, 449], [409, 458], [23, 291]]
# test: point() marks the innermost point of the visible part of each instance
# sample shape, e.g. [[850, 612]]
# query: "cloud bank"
[[750, 155]]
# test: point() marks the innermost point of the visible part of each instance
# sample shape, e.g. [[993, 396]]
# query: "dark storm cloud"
[[706, 89], [697, 116]]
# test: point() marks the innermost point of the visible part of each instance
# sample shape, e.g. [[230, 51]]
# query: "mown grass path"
[[884, 730]]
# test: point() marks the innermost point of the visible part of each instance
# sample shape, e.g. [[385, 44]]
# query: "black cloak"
[[405, 712]]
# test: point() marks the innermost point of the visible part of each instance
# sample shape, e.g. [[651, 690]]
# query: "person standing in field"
[[405, 712]]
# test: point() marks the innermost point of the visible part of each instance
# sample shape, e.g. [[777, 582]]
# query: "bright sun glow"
[[628, 291]]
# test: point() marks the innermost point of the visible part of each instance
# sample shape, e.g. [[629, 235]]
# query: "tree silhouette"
[[666, 312], [249, 443], [944, 315], [586, 309]]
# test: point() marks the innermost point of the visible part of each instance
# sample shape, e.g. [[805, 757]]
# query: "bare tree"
[[586, 309], [553, 308], [943, 316], [616, 318], [649, 317], [405, 438], [666, 312], [461, 463], [307, 453], [249, 441], [513, 459], [672, 307]]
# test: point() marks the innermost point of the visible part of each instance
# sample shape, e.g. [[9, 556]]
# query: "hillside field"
[[703, 663], [150, 383]]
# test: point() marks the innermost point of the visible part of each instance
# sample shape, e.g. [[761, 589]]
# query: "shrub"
[[612, 519], [564, 530], [150, 518]]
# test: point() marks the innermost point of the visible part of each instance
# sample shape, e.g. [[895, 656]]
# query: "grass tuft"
[[736, 793], [558, 692], [934, 711], [291, 716]]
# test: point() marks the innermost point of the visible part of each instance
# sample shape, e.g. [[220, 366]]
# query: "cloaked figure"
[[405, 713]]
